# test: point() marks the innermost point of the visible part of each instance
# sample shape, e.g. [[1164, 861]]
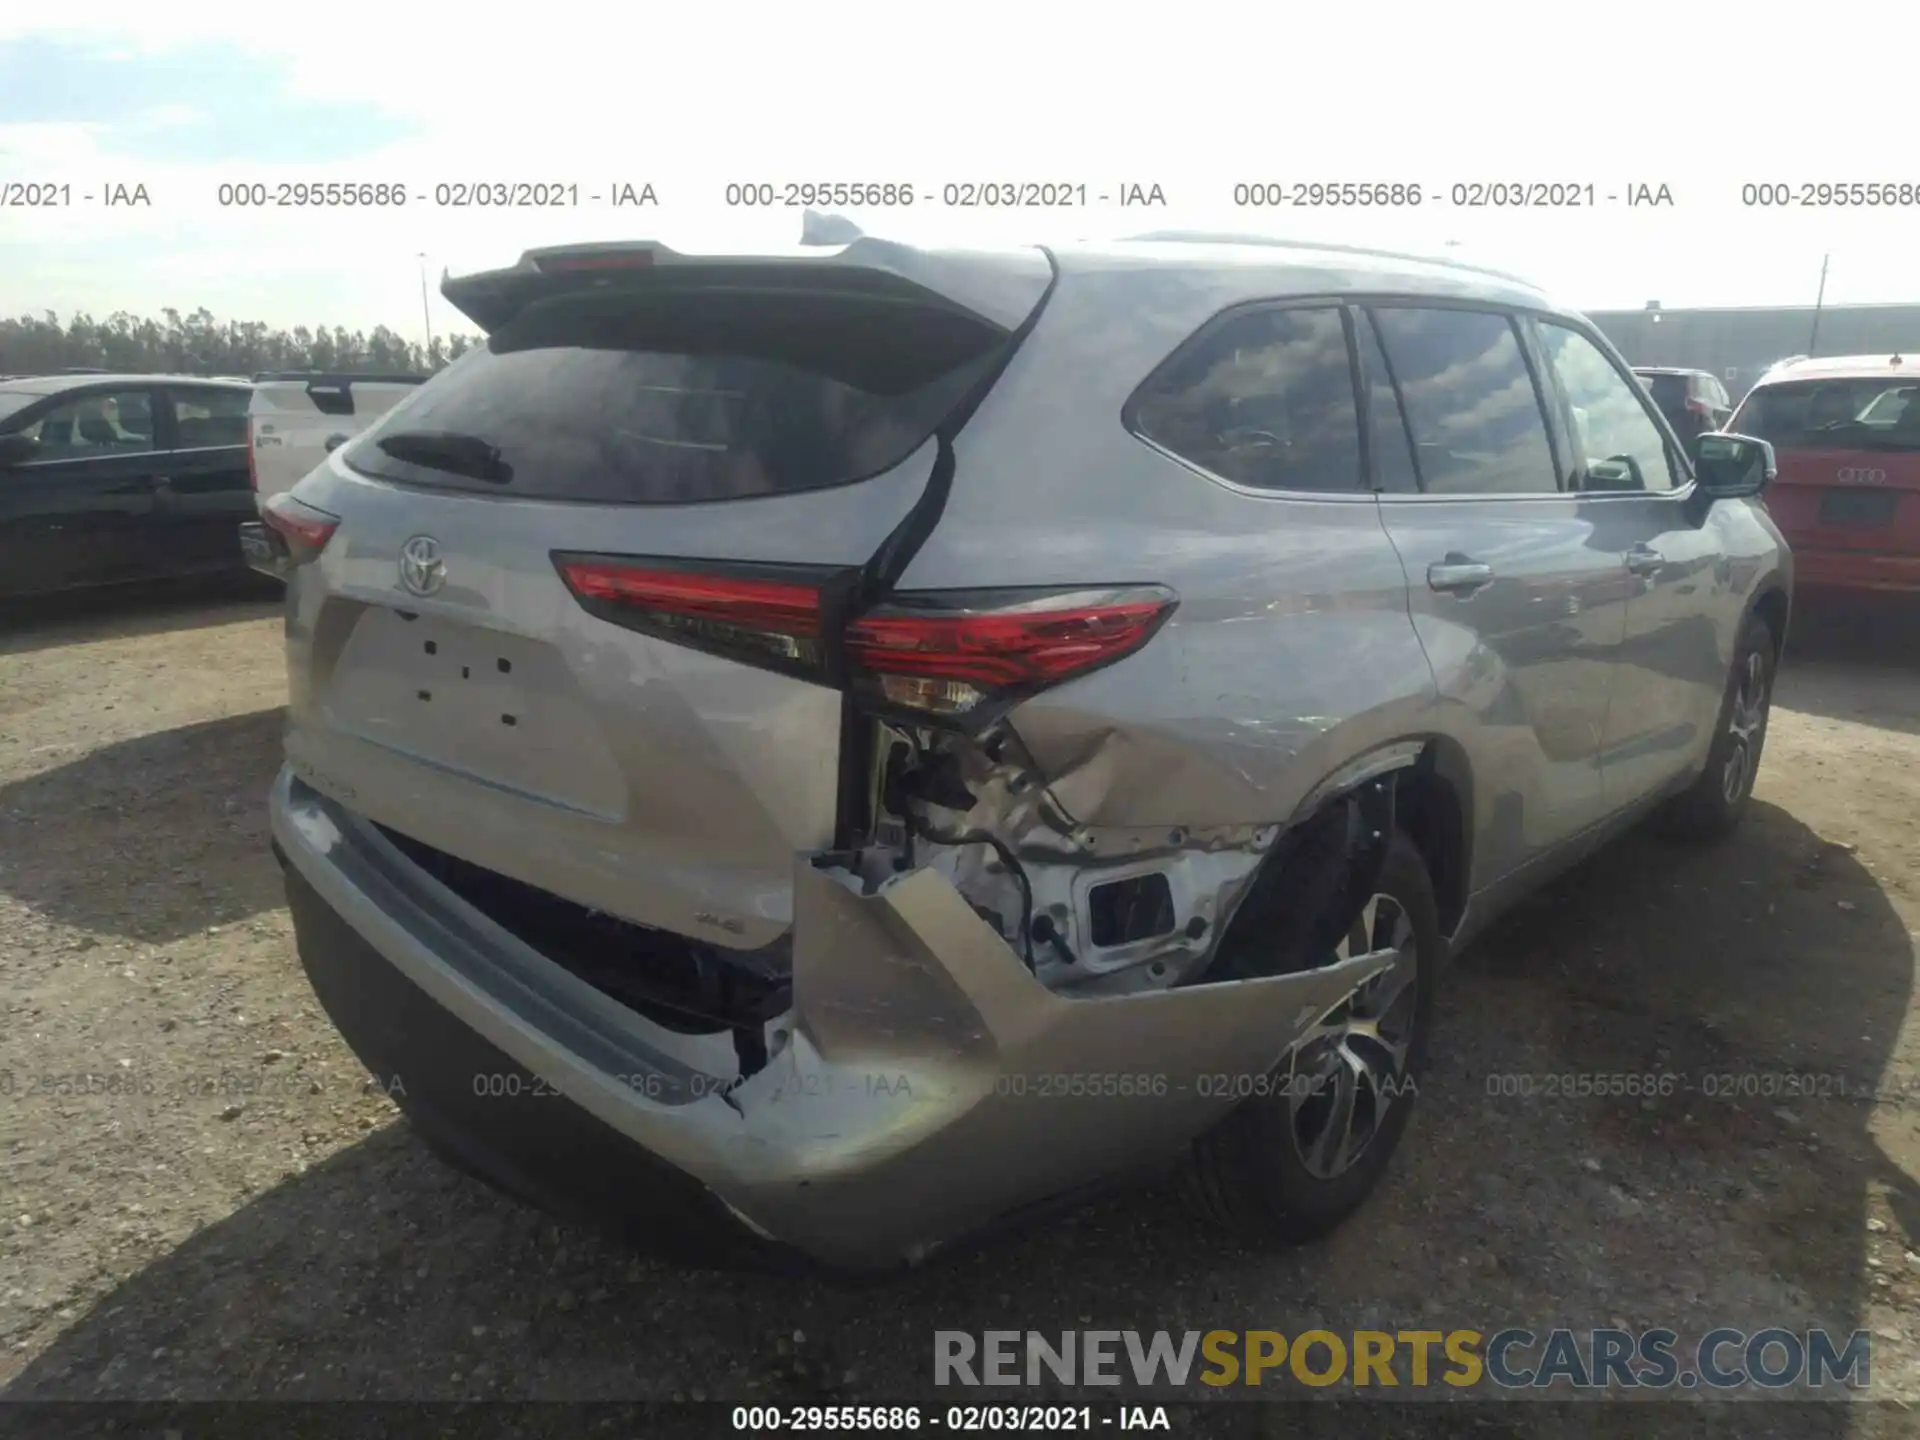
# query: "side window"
[[207, 418], [1470, 402], [1264, 399], [1392, 443], [1617, 446], [95, 425]]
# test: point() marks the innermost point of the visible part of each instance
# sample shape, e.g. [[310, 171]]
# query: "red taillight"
[[605, 260], [767, 604], [949, 659], [253, 465], [758, 616], [936, 654], [305, 529]]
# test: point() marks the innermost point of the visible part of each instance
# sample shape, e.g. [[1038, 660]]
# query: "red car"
[[1846, 433]]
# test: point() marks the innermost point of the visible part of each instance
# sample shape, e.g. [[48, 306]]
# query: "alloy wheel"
[[1745, 727], [1350, 1069]]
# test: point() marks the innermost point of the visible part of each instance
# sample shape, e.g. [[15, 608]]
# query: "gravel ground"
[[227, 1211]]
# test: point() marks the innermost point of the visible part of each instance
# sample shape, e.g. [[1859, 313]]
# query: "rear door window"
[[205, 419], [685, 396], [94, 426], [1263, 398], [1668, 391], [1470, 400], [1617, 445]]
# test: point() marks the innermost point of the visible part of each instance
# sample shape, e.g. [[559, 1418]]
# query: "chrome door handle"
[[1458, 576], [1642, 560]]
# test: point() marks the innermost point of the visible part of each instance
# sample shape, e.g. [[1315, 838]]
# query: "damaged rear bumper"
[[924, 1085]]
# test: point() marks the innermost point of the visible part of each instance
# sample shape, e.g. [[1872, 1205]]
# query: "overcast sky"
[[182, 99]]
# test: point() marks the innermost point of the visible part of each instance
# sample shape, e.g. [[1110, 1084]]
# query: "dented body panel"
[[920, 1055]]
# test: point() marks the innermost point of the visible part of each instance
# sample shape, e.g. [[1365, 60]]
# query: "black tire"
[[1250, 1173], [1712, 807]]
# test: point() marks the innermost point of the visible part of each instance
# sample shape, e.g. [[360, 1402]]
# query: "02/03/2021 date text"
[[555, 194], [1060, 194], [1273, 194]]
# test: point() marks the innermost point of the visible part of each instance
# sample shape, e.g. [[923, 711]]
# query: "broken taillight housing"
[[305, 528], [951, 653], [947, 654]]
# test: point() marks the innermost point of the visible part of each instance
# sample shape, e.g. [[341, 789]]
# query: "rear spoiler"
[[1000, 286]]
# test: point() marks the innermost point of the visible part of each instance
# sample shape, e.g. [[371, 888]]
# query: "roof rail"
[[1227, 237], [331, 377]]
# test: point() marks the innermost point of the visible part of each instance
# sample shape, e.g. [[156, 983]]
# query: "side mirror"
[[1733, 467], [17, 449], [1618, 474]]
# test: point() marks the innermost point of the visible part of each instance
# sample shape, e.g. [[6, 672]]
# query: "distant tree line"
[[200, 344]]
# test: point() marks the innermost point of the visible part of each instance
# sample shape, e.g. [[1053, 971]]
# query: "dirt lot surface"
[[202, 1199]]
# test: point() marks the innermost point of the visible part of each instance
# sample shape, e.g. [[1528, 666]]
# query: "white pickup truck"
[[298, 416]]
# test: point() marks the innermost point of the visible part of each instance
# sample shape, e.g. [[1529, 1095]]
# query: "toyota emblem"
[[1860, 477], [422, 570]]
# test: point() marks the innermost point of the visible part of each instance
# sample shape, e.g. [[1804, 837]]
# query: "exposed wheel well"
[[1772, 608], [1318, 862], [1427, 808]]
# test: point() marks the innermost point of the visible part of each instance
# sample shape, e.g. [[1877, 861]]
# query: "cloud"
[[186, 99], [208, 102]]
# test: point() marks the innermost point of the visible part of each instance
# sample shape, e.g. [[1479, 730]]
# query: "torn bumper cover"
[[924, 1085]]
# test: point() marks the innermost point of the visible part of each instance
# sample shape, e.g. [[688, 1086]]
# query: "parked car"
[[1847, 431], [111, 478], [1693, 401], [298, 416], [832, 751]]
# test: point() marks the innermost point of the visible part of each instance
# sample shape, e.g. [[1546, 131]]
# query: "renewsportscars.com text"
[[1513, 1358]]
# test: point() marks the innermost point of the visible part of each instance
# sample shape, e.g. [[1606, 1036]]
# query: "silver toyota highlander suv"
[[814, 755]]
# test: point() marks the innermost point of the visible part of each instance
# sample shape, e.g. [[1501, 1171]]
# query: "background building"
[[1738, 343]]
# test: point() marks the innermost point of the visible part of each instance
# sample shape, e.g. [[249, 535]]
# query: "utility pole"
[[1813, 340], [426, 312]]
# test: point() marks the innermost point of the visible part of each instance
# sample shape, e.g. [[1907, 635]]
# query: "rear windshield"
[[1839, 414], [685, 396], [1667, 389]]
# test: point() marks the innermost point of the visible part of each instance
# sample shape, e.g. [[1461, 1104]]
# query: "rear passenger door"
[[1680, 607], [203, 494], [78, 512], [1518, 597]]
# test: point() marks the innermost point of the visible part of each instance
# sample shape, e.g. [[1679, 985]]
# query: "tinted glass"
[[112, 424], [205, 419], [1617, 445], [1855, 414], [1392, 446], [1669, 390], [1470, 400], [1264, 399], [683, 396]]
